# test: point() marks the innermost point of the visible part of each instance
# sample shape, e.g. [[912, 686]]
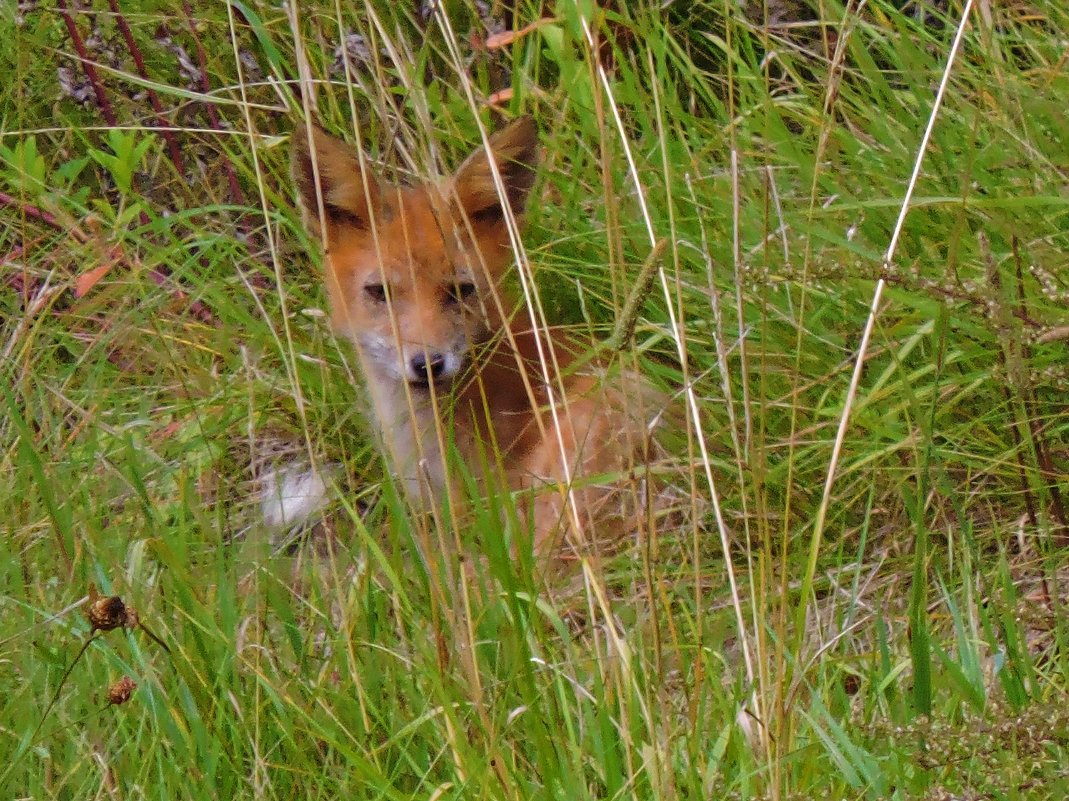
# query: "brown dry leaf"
[[167, 431], [86, 281], [500, 98], [498, 40], [1053, 335]]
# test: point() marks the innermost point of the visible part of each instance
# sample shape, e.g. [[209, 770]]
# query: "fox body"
[[415, 279]]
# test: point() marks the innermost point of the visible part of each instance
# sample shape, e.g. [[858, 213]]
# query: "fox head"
[[413, 272]]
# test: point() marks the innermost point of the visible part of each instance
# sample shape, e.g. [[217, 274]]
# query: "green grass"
[[896, 632]]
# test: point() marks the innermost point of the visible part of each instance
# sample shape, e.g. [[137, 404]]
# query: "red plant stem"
[[1028, 395], [91, 74], [17, 279], [160, 278], [12, 254], [236, 195], [29, 210], [154, 99], [87, 64]]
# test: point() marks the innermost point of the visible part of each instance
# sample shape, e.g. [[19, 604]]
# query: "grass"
[[880, 620]]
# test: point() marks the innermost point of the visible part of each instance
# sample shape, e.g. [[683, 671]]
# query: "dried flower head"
[[120, 691], [106, 613]]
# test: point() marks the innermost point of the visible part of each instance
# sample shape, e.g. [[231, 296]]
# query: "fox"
[[454, 365]]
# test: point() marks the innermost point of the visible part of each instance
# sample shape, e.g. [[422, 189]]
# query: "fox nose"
[[428, 366]]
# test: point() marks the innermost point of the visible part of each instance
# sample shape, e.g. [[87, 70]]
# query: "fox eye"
[[376, 292], [459, 292]]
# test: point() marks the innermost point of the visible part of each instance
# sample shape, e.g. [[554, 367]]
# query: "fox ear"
[[325, 166], [515, 151]]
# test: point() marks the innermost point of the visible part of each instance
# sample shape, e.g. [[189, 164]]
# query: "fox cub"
[[416, 279]]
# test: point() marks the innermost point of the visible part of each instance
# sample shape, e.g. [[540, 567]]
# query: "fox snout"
[[420, 365], [433, 338], [426, 367]]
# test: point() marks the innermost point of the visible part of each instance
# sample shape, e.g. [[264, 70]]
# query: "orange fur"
[[415, 280]]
